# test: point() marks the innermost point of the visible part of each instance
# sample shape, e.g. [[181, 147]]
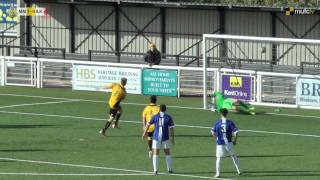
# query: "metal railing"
[[304, 64], [177, 58], [35, 51]]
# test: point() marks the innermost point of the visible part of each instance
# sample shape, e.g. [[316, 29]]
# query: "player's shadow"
[[24, 126], [22, 150]]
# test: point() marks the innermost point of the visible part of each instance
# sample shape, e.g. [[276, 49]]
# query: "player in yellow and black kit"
[[118, 93], [149, 111]]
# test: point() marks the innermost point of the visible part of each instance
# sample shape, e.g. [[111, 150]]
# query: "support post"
[[204, 72], [163, 31], [72, 28], [28, 27], [274, 46], [222, 19], [117, 31], [38, 74], [177, 60], [90, 55]]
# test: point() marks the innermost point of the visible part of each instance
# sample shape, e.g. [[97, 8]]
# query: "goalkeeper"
[[232, 104]]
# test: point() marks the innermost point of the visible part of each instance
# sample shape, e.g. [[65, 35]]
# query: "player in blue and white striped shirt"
[[163, 129], [225, 132]]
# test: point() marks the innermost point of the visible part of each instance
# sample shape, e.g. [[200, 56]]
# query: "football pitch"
[[53, 134]]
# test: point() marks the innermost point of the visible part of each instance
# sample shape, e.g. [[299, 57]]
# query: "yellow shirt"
[[118, 93], [149, 111]]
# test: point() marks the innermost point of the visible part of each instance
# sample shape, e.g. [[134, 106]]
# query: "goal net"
[[235, 60]]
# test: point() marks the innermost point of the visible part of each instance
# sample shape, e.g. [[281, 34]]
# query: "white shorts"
[[161, 145], [222, 150]]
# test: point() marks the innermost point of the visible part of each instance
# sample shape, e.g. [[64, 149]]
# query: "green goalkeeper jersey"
[[222, 102], [219, 100]]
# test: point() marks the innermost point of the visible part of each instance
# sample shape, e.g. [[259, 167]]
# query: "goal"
[[237, 59]]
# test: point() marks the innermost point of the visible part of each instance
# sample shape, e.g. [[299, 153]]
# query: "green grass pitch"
[[57, 138]]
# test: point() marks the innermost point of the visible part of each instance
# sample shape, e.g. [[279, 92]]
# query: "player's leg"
[[234, 157], [236, 163], [117, 117], [246, 105], [243, 107], [150, 135], [219, 155], [166, 149], [155, 159], [112, 114]]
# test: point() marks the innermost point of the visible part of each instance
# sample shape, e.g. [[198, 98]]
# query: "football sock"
[[155, 161], [236, 162], [118, 115], [169, 162], [108, 123], [218, 165]]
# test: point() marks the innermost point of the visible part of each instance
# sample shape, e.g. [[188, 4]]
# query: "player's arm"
[[171, 132], [144, 134], [144, 121], [124, 96], [235, 138], [235, 132], [214, 132], [107, 86]]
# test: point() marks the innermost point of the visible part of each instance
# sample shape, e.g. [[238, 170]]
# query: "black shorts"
[[114, 111], [150, 136]]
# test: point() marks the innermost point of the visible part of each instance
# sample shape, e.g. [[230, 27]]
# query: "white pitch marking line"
[[86, 100], [105, 168], [137, 104], [293, 115], [56, 174], [32, 104], [138, 122]]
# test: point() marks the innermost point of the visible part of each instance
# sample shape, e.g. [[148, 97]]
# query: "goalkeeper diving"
[[221, 102]]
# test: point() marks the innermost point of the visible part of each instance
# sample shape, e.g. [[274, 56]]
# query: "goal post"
[[244, 54]]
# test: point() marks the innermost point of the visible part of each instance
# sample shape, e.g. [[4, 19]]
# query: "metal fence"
[[267, 88]]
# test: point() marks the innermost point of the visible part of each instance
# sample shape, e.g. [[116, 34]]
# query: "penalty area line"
[[33, 104], [138, 104], [94, 101], [106, 168]]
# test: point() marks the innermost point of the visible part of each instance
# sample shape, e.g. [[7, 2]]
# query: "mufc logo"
[[235, 82]]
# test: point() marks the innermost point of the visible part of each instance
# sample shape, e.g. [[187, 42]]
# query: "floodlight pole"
[[204, 72]]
